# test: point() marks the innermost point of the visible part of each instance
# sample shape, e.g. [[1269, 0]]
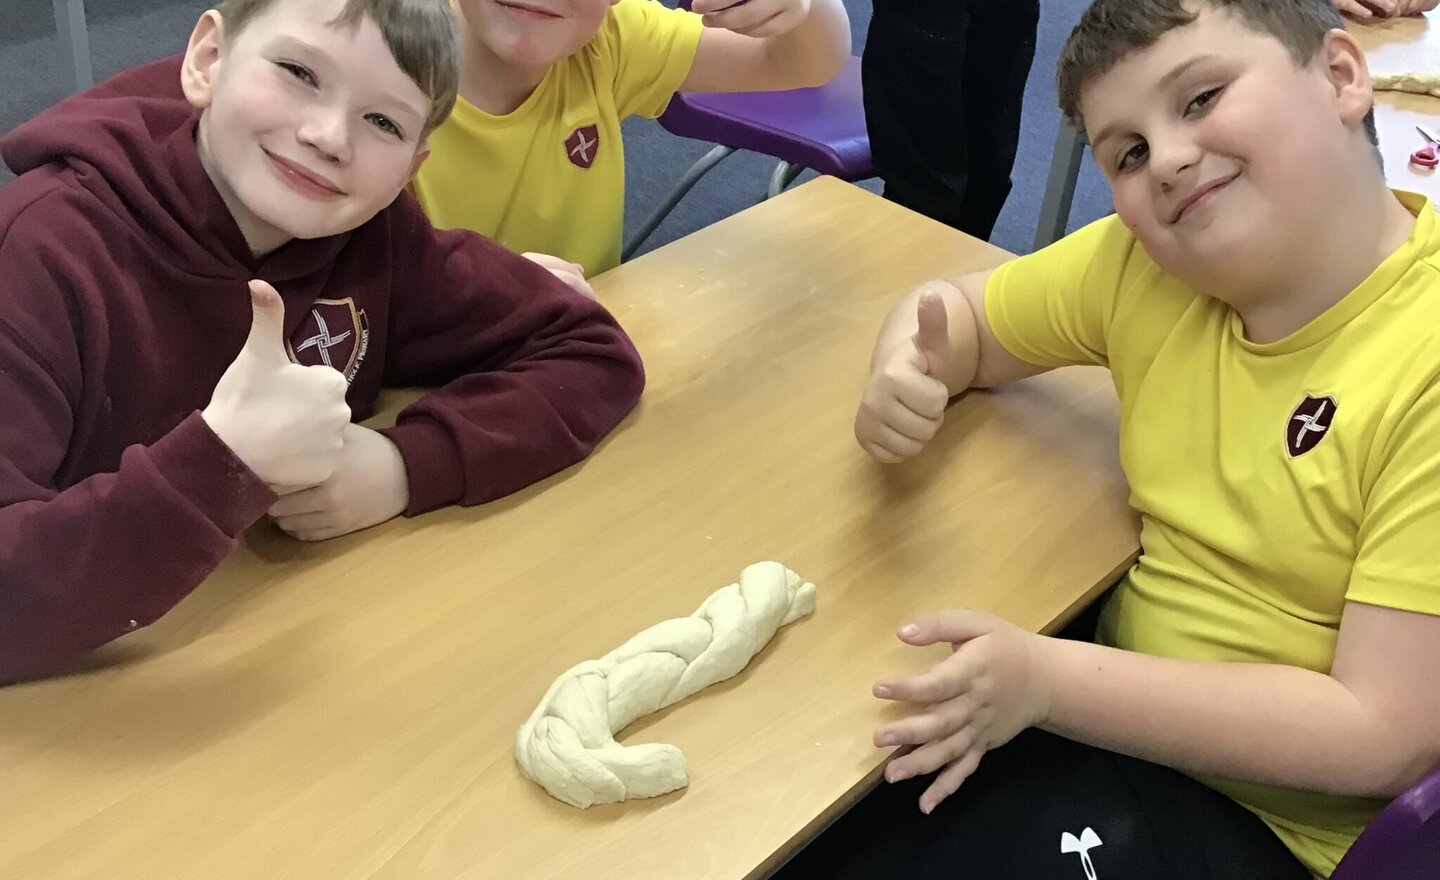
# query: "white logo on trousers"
[[1087, 841]]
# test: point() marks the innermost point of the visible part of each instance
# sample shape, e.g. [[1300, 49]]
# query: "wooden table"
[[348, 709], [1403, 45]]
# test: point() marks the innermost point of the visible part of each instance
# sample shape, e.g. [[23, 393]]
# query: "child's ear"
[[1349, 76], [420, 156], [202, 59]]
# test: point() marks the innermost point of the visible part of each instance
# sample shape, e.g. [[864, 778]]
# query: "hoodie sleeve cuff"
[[432, 464], [202, 468]]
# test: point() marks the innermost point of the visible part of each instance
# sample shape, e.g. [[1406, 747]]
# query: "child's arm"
[[1366, 729], [573, 274], [935, 343], [533, 374], [84, 562], [768, 45]]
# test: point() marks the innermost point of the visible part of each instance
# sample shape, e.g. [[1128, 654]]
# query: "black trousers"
[[1043, 807], [943, 83]]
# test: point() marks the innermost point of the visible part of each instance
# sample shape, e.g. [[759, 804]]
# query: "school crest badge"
[[1309, 423], [582, 146], [333, 334]]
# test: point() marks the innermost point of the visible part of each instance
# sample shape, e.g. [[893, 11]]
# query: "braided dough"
[[568, 744], [1414, 83]]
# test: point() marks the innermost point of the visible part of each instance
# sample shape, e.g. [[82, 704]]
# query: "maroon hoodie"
[[123, 298]]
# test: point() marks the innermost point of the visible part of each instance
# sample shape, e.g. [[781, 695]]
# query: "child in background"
[[206, 274], [1262, 678], [532, 155]]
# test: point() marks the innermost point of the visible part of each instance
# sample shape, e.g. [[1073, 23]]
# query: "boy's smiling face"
[[310, 129], [1217, 145], [533, 33]]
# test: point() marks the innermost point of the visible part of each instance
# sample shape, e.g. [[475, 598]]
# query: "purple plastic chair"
[[1403, 842], [821, 128]]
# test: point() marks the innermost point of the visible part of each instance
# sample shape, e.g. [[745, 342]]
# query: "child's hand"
[[1370, 10], [994, 685], [904, 404], [573, 274], [369, 486], [1416, 7], [753, 18], [283, 420]]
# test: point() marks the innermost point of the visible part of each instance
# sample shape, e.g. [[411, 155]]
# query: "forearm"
[[490, 433], [815, 50], [116, 551], [900, 325], [1265, 723]]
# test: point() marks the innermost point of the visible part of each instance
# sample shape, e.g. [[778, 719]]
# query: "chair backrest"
[[1403, 842]]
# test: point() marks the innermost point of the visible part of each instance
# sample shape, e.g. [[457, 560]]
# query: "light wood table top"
[[348, 709], [1403, 45]]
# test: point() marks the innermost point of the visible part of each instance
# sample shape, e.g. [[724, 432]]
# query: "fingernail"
[[885, 739], [909, 630], [882, 691]]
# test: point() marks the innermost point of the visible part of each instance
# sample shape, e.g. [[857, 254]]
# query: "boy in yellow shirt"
[[532, 155], [1262, 678]]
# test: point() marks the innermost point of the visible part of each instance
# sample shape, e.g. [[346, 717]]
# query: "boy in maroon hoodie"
[[151, 409]]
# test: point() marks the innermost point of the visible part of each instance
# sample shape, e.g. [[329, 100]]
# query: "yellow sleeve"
[[1397, 564], [1055, 307], [649, 48]]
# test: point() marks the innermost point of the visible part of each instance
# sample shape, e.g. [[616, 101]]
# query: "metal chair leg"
[[783, 175], [1060, 184], [74, 40], [687, 180]]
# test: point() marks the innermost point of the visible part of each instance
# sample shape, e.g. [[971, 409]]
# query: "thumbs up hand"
[[904, 400], [284, 421]]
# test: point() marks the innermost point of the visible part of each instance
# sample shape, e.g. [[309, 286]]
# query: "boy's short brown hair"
[[421, 34], [1110, 30]]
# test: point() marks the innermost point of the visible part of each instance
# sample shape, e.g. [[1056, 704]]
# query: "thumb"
[[267, 322], [947, 626], [932, 336]]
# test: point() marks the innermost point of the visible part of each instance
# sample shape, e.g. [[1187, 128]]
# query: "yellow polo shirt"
[[550, 177], [1274, 481]]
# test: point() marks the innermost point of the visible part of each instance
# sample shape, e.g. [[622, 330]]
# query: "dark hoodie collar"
[[130, 142]]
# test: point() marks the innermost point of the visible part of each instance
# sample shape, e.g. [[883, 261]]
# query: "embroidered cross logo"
[[334, 333], [583, 146], [322, 341], [1309, 423]]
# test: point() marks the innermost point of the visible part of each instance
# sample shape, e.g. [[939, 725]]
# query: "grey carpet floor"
[[127, 32]]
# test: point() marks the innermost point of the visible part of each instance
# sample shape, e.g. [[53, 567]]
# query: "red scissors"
[[1425, 157]]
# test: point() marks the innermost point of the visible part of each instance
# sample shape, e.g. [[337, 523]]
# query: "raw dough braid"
[[568, 745], [1415, 83]]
